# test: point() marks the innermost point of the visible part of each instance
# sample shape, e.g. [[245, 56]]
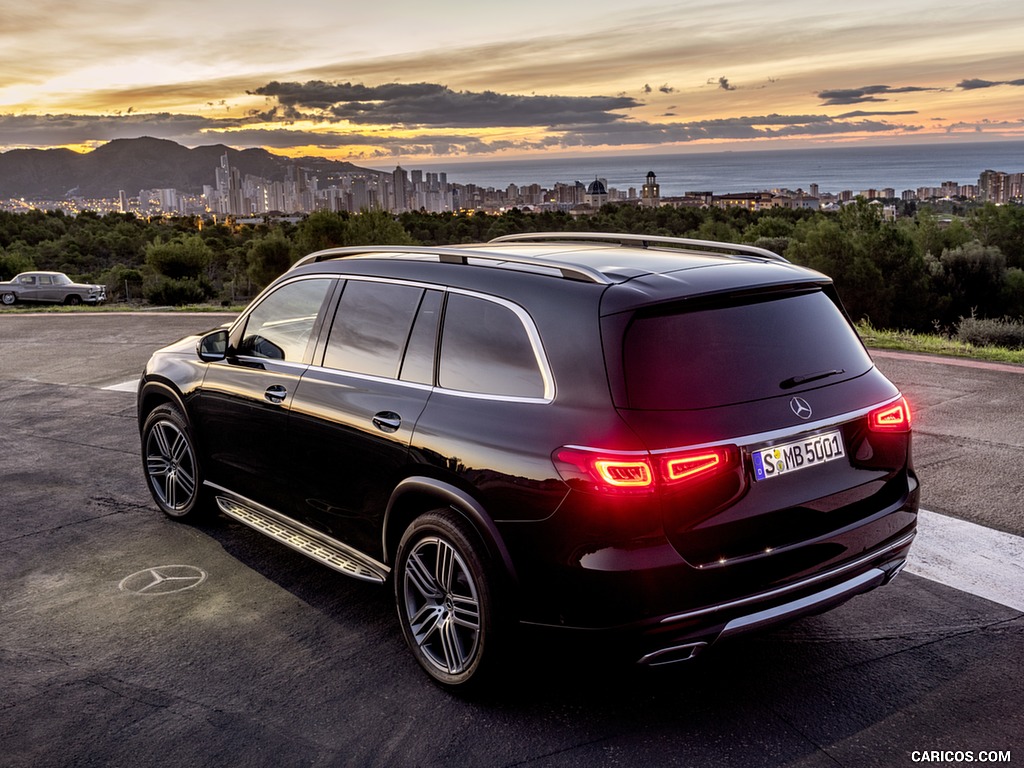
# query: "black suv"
[[671, 440]]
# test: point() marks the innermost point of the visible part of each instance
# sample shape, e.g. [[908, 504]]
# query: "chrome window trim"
[[540, 356], [262, 295], [297, 367], [369, 377]]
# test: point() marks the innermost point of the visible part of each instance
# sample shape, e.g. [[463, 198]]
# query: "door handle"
[[276, 394], [387, 421]]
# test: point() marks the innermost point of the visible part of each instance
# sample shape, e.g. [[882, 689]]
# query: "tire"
[[446, 600], [172, 468], [7, 298], [73, 300]]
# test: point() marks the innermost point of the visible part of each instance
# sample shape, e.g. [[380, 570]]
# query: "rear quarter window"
[[738, 352], [486, 349]]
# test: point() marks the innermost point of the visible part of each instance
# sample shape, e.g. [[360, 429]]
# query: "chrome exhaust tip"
[[672, 655]]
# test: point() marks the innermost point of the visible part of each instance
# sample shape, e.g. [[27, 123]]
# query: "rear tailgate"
[[780, 380]]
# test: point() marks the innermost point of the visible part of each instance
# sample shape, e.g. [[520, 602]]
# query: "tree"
[[320, 230], [181, 266], [186, 257], [14, 261], [376, 227], [971, 279], [268, 257], [1001, 226]]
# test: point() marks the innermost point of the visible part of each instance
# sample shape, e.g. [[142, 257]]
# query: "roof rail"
[[463, 256], [645, 241]]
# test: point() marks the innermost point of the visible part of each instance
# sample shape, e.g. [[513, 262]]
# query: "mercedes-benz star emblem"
[[800, 407], [163, 580]]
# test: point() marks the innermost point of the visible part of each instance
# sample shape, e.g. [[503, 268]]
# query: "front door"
[[243, 405]]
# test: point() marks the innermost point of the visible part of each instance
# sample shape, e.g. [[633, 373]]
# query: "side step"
[[301, 538]]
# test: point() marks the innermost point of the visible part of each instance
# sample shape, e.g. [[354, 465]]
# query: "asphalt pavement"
[[127, 639]]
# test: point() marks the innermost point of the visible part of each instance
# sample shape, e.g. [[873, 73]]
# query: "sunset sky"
[[398, 79]]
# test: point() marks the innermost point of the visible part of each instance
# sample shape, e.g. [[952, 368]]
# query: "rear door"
[[354, 412]]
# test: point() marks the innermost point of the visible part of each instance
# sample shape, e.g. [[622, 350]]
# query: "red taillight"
[[688, 465], [618, 472], [894, 417], [608, 471], [624, 474]]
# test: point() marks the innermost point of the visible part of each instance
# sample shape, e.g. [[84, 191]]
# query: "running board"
[[301, 538]]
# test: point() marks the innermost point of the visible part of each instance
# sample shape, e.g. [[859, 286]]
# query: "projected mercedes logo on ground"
[[163, 580]]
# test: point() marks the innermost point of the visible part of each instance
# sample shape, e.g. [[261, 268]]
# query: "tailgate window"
[[738, 352]]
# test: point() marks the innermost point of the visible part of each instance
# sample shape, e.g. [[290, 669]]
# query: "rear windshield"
[[740, 352]]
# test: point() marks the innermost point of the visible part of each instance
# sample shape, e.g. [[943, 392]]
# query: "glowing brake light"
[[690, 465], [891, 418], [638, 472], [624, 474]]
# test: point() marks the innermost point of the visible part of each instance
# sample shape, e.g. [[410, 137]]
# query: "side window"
[[418, 365], [485, 349], [45, 280], [371, 327], [280, 327]]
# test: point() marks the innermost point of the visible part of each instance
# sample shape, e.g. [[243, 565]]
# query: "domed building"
[[597, 194]]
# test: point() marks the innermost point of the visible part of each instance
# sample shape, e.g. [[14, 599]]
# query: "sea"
[[834, 169]]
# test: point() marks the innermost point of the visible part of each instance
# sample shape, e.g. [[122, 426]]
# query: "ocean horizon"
[[833, 169]]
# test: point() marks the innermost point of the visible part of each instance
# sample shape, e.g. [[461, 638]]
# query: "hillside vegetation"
[[917, 274]]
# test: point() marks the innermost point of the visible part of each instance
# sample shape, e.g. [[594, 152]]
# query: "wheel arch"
[[416, 495], [154, 393]]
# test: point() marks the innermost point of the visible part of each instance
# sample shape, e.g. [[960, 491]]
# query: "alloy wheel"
[[442, 605], [171, 467]]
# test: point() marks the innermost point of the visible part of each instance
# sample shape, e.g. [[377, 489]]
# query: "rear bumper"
[[816, 594], [670, 637]]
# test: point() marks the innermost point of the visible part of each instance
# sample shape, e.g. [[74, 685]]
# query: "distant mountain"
[[134, 164]]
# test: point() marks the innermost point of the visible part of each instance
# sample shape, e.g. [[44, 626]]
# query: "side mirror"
[[213, 346]]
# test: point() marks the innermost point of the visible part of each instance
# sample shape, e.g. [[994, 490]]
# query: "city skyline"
[[411, 82]]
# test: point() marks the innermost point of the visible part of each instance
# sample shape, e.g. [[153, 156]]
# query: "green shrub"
[[175, 292], [985, 332]]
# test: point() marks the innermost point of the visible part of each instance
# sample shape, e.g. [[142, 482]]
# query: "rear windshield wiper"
[[796, 381]]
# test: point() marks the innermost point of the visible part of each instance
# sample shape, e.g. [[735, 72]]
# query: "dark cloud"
[[986, 125], [429, 104], [877, 113], [381, 145], [868, 93], [972, 85], [723, 83], [738, 128], [57, 130], [667, 89]]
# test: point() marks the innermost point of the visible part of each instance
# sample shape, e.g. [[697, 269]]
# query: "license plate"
[[801, 454]]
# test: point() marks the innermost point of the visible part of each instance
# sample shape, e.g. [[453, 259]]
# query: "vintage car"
[[53, 287]]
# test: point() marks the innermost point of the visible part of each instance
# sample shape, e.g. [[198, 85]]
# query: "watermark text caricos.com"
[[959, 756]]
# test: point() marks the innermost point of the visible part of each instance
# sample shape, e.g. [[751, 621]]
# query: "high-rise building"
[[400, 187], [994, 186]]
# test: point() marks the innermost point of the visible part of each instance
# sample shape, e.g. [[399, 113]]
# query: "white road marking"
[[132, 385], [969, 557]]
